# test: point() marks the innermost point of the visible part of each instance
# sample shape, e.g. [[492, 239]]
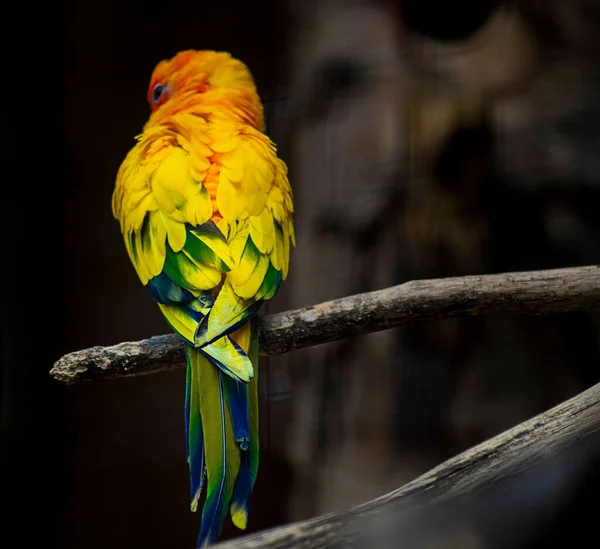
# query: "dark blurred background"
[[424, 138]]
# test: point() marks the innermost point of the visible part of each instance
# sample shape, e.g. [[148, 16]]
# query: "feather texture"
[[205, 208], [222, 454], [193, 431], [240, 499]]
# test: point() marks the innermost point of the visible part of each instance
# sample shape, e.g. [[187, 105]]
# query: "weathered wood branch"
[[538, 292], [538, 461]]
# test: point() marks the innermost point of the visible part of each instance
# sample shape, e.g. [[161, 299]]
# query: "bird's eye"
[[157, 92]]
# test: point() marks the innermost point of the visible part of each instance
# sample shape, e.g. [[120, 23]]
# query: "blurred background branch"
[[475, 499], [557, 290]]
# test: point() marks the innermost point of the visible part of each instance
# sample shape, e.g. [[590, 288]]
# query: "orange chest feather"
[[211, 183]]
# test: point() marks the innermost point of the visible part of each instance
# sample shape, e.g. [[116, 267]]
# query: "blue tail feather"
[[244, 483], [236, 396]]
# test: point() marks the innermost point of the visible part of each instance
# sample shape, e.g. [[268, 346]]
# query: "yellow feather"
[[158, 237], [137, 192], [287, 201], [197, 275], [221, 129], [199, 167], [228, 200], [286, 253], [223, 350], [245, 257], [225, 145], [236, 159], [137, 213], [277, 252], [239, 517], [169, 202], [224, 227], [199, 148], [198, 207], [249, 288], [237, 244], [153, 263], [192, 136], [140, 259], [181, 322], [265, 175], [176, 234], [252, 180], [282, 166], [227, 310], [275, 203], [217, 245], [242, 336], [233, 174], [172, 181], [262, 231], [178, 193], [150, 263], [254, 203], [129, 251], [292, 232]]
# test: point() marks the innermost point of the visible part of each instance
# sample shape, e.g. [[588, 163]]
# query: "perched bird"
[[205, 209]]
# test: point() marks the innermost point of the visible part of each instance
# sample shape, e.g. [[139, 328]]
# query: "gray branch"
[[487, 489], [538, 292]]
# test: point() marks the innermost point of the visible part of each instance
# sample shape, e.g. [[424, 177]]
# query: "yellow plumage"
[[205, 208], [165, 173]]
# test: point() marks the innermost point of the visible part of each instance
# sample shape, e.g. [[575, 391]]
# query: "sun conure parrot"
[[205, 209]]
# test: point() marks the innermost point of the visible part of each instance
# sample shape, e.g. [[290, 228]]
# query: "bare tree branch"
[[538, 292], [502, 465]]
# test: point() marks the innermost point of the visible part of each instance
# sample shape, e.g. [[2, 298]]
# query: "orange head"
[[198, 72]]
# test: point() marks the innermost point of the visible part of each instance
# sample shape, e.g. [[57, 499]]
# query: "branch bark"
[[523, 470], [538, 292]]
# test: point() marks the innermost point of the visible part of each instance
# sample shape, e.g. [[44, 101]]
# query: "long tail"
[[222, 436], [246, 478]]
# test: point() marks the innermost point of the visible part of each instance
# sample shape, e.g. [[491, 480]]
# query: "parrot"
[[205, 209]]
